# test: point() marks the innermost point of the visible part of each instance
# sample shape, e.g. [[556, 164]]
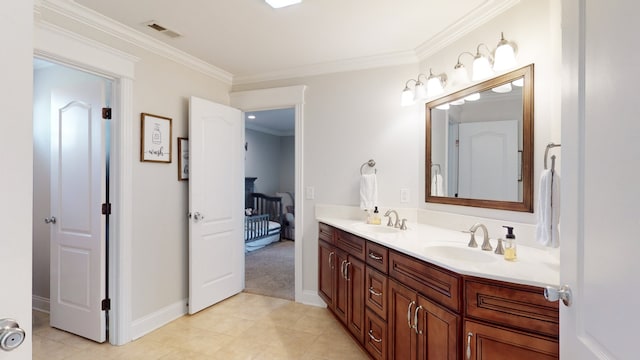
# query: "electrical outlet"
[[310, 193], [404, 195]]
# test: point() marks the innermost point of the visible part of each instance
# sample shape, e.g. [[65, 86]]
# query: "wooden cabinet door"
[[438, 331], [326, 272], [496, 343], [402, 338], [355, 271], [340, 302]]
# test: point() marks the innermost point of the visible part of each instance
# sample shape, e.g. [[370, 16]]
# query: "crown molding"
[[477, 17], [361, 63], [88, 17]]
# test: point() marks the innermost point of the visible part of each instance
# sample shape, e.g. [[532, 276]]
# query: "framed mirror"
[[479, 144]]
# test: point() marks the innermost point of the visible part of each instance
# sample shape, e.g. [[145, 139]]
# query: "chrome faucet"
[[391, 223], [486, 245]]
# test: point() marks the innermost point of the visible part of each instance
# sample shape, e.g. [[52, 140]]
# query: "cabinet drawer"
[[437, 284], [376, 292], [518, 306], [378, 257], [325, 232], [375, 336], [484, 341], [351, 244]]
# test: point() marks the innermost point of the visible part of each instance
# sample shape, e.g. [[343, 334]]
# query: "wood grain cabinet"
[[400, 307], [341, 277], [509, 321]]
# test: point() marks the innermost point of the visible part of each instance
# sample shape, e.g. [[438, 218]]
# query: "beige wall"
[[353, 116]]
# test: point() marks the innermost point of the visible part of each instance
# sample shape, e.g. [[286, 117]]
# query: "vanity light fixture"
[[433, 86], [407, 97], [443, 106], [518, 83], [505, 55], [504, 88], [457, 102], [482, 65], [276, 4], [460, 74]]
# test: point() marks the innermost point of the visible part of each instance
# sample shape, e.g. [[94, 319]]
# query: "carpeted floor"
[[270, 271]]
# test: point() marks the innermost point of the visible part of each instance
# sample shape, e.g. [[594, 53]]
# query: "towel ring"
[[371, 163]]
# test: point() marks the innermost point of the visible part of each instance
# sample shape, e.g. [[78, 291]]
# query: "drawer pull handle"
[[469, 335], [342, 269], [346, 271], [375, 257], [415, 320], [409, 314], [331, 262], [372, 337], [372, 291]]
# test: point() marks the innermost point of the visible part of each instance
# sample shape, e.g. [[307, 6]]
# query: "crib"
[[264, 225]]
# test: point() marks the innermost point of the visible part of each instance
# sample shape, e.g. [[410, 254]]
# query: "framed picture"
[[183, 158], [155, 138]]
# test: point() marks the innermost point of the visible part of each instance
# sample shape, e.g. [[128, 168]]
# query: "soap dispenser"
[[376, 217], [510, 245]]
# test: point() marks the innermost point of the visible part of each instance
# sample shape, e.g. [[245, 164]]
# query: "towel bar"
[[553, 158]]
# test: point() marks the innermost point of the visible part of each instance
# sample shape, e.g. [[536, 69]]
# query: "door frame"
[[61, 46], [281, 98]]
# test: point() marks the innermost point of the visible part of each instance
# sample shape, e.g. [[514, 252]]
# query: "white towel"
[[436, 185], [549, 209], [368, 191]]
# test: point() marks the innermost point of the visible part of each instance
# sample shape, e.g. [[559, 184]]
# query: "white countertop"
[[537, 267]]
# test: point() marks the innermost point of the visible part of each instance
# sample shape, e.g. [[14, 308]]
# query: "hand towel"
[[549, 209], [368, 191], [437, 188]]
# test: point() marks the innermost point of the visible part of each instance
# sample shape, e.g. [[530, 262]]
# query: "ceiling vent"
[[159, 28]]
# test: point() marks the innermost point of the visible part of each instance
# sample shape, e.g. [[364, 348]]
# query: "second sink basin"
[[460, 253]]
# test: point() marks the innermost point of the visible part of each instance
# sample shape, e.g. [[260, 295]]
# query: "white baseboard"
[[151, 322], [310, 297], [40, 303]]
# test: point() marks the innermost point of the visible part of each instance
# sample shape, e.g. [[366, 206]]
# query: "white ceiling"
[[252, 41]]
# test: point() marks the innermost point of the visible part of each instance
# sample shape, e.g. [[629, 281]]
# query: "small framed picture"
[[155, 138], [183, 158]]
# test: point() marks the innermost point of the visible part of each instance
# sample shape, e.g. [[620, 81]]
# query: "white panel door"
[[77, 192], [600, 171], [216, 171], [488, 165]]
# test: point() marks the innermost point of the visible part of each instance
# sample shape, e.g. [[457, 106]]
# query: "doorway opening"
[[70, 185], [270, 176]]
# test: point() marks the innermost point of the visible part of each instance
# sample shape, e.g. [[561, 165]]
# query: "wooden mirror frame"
[[526, 205]]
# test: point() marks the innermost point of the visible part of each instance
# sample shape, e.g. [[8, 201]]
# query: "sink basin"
[[461, 253], [375, 229]]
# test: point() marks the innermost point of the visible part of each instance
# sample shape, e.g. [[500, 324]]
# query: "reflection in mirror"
[[480, 144]]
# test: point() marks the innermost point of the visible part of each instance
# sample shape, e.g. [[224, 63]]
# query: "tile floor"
[[245, 326]]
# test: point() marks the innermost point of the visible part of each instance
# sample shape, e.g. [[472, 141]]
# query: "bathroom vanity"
[[423, 294]]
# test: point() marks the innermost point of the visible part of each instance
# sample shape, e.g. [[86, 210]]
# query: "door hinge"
[[106, 209], [106, 304], [106, 113]]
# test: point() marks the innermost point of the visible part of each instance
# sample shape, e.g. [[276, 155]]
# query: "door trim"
[[279, 98], [58, 45]]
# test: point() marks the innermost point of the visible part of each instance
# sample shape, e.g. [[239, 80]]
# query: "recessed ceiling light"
[[251, 117], [276, 4]]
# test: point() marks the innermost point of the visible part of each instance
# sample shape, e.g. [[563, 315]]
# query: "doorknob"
[[554, 294], [51, 220], [197, 217], [11, 335]]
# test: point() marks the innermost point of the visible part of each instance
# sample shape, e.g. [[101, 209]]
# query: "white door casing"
[[600, 193], [216, 171], [488, 160], [78, 189]]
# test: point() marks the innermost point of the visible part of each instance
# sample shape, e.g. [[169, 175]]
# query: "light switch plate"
[[404, 195], [310, 192]]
